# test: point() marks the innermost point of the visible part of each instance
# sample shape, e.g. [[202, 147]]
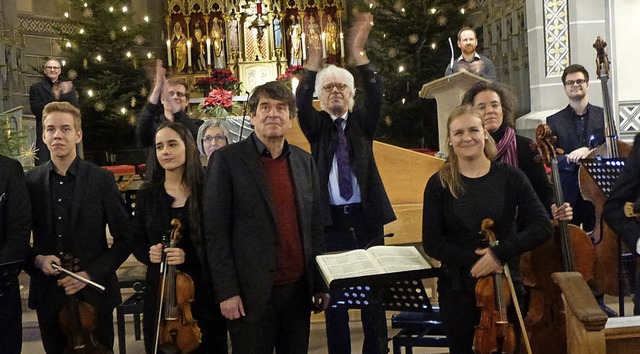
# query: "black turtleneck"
[[534, 171]]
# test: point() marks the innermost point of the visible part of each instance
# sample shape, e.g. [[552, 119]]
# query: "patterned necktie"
[[344, 168]]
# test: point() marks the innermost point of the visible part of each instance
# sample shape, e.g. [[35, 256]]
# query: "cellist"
[[627, 190], [174, 191], [467, 189]]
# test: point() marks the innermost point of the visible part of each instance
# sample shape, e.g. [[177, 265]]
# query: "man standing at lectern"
[[470, 60], [355, 204]]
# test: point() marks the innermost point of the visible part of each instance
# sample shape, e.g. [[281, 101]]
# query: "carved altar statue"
[[331, 31], [200, 40], [218, 44], [314, 33], [277, 33], [179, 43], [296, 46], [233, 32]]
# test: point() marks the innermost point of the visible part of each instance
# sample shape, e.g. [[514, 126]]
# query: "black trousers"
[[10, 316], [349, 232], [54, 338], [284, 325]]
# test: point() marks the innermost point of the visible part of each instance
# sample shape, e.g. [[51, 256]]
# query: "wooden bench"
[[589, 331]]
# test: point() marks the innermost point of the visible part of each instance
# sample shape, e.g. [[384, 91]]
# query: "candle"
[[189, 53], [208, 51], [324, 47], [304, 48], [341, 45], [169, 52], [294, 84], [259, 8]]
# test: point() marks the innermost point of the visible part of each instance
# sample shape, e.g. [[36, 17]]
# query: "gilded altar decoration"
[[180, 47]]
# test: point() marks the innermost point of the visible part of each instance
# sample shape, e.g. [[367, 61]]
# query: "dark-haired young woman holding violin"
[[466, 190], [174, 191]]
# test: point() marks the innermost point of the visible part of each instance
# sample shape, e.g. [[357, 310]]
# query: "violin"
[[176, 330], [607, 272], [569, 250], [77, 319], [494, 334]]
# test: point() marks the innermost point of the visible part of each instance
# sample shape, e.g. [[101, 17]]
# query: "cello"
[[176, 330], [569, 250], [78, 319], [494, 334], [608, 270]]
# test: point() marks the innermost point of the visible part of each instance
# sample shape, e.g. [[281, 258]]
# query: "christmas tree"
[[105, 59], [409, 45]]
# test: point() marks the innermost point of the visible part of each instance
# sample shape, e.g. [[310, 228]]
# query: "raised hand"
[[358, 36]]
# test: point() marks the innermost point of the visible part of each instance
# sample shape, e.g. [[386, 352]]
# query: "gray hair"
[[342, 75], [211, 123]]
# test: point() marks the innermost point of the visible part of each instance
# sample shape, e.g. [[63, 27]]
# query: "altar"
[[257, 40]]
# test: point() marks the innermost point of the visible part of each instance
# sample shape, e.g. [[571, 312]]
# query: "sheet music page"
[[347, 265], [394, 259]]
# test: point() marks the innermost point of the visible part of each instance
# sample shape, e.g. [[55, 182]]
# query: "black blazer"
[[15, 212], [41, 93], [96, 204], [627, 189], [240, 227], [360, 129]]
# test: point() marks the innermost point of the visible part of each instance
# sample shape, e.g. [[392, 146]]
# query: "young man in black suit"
[[579, 128], [15, 228], [72, 203], [355, 205], [263, 229]]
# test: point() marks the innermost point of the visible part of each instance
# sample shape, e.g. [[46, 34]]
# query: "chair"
[[419, 329], [133, 305]]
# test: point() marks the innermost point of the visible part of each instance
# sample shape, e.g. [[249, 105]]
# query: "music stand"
[[401, 291], [605, 172]]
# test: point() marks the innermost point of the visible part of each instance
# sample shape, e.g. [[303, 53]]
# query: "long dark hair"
[[192, 177]]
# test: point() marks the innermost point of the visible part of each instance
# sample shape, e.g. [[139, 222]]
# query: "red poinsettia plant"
[[291, 72], [219, 78], [218, 103]]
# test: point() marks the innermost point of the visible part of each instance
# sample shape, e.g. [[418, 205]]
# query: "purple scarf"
[[507, 149]]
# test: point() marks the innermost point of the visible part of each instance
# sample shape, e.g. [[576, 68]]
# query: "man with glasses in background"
[[580, 129], [354, 202], [51, 88], [167, 102]]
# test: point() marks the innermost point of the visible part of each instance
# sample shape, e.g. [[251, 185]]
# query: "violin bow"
[[78, 277], [516, 304]]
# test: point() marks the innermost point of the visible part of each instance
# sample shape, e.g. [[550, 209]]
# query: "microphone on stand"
[[244, 116]]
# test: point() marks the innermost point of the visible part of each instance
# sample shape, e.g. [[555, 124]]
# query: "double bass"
[[570, 250], [608, 272], [176, 330], [494, 333]]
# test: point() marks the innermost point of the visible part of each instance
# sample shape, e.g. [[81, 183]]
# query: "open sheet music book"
[[373, 261]]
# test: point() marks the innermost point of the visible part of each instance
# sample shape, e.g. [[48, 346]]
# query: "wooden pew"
[[588, 329]]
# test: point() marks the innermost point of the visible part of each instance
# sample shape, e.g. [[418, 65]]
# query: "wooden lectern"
[[448, 92]]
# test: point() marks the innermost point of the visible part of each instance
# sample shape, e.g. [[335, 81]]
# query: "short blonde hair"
[[63, 107]]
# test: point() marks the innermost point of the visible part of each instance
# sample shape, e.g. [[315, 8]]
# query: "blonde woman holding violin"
[[469, 188]]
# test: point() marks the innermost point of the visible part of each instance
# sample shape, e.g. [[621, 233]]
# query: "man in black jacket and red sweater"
[[354, 202]]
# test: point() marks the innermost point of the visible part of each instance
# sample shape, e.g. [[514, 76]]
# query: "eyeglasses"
[[483, 106], [209, 138], [573, 82], [52, 68], [177, 93], [329, 87]]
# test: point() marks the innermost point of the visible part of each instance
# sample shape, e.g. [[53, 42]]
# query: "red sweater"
[[290, 258]]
